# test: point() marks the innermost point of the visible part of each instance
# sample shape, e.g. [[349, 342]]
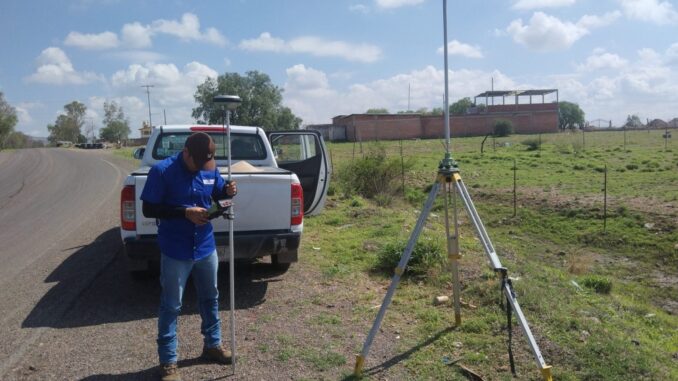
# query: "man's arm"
[[163, 211]]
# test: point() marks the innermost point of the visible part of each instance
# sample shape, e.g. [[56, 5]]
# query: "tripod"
[[449, 179]]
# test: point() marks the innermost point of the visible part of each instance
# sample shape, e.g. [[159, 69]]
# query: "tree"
[[116, 124], [8, 120], [17, 140], [570, 116], [261, 102], [503, 127], [376, 111], [633, 121], [67, 126], [459, 107]]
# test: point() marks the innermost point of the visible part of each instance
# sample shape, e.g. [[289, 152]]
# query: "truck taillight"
[[297, 204], [127, 208]]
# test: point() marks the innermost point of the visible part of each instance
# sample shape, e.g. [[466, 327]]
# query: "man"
[[178, 192]]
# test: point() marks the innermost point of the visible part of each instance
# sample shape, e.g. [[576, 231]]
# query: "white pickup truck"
[[287, 177]]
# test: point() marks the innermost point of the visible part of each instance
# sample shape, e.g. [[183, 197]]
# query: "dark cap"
[[201, 148]]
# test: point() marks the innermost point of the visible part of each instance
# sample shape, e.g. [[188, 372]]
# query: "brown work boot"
[[169, 372], [217, 354]]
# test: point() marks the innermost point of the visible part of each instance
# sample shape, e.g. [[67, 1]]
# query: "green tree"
[[8, 120], [459, 107], [570, 116], [67, 126], [376, 111], [116, 125], [18, 139], [633, 121], [261, 102], [503, 127]]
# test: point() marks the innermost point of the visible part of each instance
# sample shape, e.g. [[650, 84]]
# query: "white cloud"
[[188, 29], [23, 115], [535, 4], [390, 4], [55, 68], [652, 11], [101, 41], [136, 36], [646, 84], [546, 33], [173, 88], [359, 8], [458, 48], [602, 60], [315, 46], [309, 94]]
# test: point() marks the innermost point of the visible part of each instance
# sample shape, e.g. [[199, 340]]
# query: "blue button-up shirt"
[[169, 182]]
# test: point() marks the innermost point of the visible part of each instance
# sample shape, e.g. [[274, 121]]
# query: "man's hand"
[[232, 188], [197, 215]]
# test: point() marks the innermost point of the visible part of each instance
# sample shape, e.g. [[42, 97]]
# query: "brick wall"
[[526, 119]]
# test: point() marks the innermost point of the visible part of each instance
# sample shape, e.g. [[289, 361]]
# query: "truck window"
[[244, 146], [290, 148]]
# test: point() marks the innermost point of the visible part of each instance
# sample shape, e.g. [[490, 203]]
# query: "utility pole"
[[164, 116], [148, 95]]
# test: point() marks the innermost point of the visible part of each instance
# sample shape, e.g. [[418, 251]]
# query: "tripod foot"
[[546, 373], [359, 363]]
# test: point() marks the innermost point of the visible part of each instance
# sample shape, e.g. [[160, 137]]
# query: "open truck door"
[[303, 152]]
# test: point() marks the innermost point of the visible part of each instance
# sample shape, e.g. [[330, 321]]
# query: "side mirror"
[[139, 153]]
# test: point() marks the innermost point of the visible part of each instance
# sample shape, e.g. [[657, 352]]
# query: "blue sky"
[[613, 57]]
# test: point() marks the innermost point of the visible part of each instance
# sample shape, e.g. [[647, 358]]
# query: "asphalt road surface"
[[68, 309]]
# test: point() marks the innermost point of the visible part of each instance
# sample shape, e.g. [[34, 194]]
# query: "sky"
[[612, 57]]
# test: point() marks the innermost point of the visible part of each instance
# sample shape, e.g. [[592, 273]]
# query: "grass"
[[126, 153], [598, 302]]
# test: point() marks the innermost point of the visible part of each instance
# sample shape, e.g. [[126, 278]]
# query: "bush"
[[631, 167], [428, 254], [597, 283], [503, 127], [374, 176], [532, 144]]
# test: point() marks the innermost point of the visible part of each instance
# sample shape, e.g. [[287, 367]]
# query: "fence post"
[[515, 168], [402, 166], [605, 200]]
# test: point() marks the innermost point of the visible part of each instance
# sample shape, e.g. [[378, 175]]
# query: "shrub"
[[373, 175], [532, 144], [427, 254], [503, 127], [597, 283], [631, 167]]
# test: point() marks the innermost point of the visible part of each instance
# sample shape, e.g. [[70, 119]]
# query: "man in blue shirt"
[[178, 192]]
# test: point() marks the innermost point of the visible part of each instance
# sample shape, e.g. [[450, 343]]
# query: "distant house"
[[527, 117], [145, 130]]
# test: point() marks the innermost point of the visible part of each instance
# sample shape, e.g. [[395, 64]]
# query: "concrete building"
[[528, 117]]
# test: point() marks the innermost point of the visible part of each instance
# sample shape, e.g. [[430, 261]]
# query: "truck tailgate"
[[263, 202]]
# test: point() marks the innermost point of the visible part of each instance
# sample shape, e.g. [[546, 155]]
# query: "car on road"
[[282, 176]]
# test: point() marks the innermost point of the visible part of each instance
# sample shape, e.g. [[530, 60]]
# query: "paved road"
[[56, 207], [68, 309]]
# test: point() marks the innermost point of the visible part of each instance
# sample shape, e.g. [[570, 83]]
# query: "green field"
[[602, 300]]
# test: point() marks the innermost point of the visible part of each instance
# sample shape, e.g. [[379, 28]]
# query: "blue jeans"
[[173, 276]]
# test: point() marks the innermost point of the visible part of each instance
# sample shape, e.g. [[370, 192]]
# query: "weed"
[[427, 254], [597, 283], [532, 144]]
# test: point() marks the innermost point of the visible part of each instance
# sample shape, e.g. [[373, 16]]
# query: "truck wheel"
[[279, 266]]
